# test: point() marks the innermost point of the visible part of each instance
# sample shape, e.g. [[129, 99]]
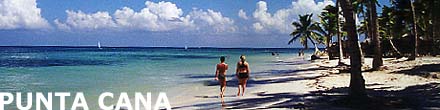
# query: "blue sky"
[[175, 23]]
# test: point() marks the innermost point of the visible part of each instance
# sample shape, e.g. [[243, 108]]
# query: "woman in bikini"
[[242, 74], [220, 75]]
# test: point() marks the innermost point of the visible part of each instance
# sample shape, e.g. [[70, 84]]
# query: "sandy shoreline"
[[300, 87]]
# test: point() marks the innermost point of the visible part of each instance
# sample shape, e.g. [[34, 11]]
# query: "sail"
[[99, 45]]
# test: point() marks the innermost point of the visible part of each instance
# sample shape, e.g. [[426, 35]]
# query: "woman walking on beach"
[[242, 74], [220, 75]]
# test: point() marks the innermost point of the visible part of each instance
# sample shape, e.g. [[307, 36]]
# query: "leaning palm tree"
[[386, 27], [306, 31], [357, 82]]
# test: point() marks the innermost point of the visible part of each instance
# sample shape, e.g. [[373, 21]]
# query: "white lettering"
[[80, 101], [62, 96], [101, 100], [10, 98], [162, 98], [28, 104], [139, 98], [45, 101], [124, 101], [41, 99]]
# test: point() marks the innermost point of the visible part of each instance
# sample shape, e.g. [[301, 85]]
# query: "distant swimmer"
[[242, 73], [220, 75]]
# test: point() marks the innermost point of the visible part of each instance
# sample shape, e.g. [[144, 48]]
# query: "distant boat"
[[99, 45], [186, 47]]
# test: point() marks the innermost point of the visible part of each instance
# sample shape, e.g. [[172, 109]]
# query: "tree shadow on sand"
[[422, 70], [426, 96]]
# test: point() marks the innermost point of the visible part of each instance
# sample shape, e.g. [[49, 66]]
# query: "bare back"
[[221, 68]]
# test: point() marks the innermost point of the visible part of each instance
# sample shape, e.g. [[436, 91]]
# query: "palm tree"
[[328, 25], [436, 25], [386, 23], [417, 19], [425, 22], [377, 60], [306, 31], [359, 6], [370, 27], [403, 17], [357, 82], [363, 28], [414, 29], [341, 55]]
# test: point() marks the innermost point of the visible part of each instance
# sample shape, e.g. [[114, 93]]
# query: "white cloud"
[[166, 10], [81, 20], [280, 21], [161, 16], [212, 19], [21, 14], [61, 25], [242, 14], [147, 19], [257, 26]]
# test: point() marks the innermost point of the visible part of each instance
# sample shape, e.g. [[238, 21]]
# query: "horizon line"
[[189, 47]]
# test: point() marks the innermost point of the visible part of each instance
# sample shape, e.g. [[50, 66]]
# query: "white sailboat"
[[186, 47], [99, 45]]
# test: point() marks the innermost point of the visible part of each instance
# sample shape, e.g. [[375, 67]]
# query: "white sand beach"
[[309, 86]]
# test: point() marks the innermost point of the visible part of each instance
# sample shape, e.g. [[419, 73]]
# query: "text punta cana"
[[141, 101]]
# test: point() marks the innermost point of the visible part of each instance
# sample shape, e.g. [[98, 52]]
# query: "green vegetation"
[[407, 28], [306, 31]]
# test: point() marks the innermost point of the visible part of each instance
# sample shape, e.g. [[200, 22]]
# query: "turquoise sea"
[[118, 69]]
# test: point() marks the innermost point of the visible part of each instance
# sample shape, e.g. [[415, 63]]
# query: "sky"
[[156, 23]]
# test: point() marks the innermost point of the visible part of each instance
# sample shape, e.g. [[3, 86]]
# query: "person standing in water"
[[242, 74], [220, 75]]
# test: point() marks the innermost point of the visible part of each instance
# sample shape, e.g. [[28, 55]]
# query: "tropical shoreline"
[[293, 89]]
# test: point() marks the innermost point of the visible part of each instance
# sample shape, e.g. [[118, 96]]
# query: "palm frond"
[[294, 38], [296, 24]]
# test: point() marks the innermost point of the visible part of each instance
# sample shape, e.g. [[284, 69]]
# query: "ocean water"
[[93, 71]]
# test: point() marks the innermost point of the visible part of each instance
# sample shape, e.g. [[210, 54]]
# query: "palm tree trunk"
[[427, 20], [329, 40], [394, 48], [314, 44], [368, 23], [341, 54], [390, 39], [435, 25], [414, 52], [316, 49], [377, 60], [357, 82]]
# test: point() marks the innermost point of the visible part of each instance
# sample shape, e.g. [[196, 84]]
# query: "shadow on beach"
[[423, 96], [413, 97], [427, 70]]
